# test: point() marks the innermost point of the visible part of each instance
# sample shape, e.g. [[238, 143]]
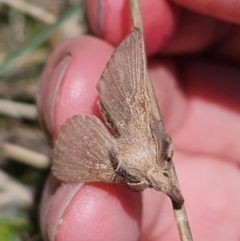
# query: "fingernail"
[[50, 93], [58, 203], [95, 15], [68, 192], [100, 14]]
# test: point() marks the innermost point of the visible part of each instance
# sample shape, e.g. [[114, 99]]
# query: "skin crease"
[[201, 107]]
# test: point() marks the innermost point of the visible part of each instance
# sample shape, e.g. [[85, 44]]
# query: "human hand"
[[199, 100]]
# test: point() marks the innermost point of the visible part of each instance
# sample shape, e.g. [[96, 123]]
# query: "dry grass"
[[30, 30]]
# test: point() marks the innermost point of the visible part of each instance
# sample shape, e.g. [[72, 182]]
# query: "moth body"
[[140, 152], [136, 162], [135, 156]]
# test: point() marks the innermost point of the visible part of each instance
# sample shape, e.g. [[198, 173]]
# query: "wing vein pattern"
[[123, 90], [81, 151]]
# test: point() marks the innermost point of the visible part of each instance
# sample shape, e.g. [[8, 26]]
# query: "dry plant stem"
[[179, 212], [25, 156], [20, 89], [13, 192], [18, 110], [31, 9]]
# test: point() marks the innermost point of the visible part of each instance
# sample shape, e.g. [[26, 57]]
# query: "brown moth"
[[138, 151]]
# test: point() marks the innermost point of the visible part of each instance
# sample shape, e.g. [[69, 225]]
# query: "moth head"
[[161, 180], [158, 179]]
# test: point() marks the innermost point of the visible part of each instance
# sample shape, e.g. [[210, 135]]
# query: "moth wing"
[[81, 151], [124, 100]]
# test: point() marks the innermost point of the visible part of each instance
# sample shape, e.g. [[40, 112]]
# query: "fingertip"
[[111, 20], [68, 83], [94, 212], [55, 198], [213, 189], [169, 93], [48, 89]]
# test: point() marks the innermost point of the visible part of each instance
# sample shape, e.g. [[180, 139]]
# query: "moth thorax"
[[135, 154]]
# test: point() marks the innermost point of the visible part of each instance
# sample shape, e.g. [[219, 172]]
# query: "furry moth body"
[[137, 151]]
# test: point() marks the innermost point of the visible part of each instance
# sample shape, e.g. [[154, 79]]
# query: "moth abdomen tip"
[[176, 196]]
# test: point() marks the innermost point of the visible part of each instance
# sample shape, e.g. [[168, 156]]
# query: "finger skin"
[[110, 215], [90, 212], [209, 186], [226, 10], [66, 87], [213, 110], [200, 112], [159, 20], [151, 216], [168, 28]]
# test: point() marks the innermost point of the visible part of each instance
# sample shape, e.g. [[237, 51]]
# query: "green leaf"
[[38, 39]]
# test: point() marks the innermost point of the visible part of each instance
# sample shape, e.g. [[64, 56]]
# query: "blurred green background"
[[29, 31]]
